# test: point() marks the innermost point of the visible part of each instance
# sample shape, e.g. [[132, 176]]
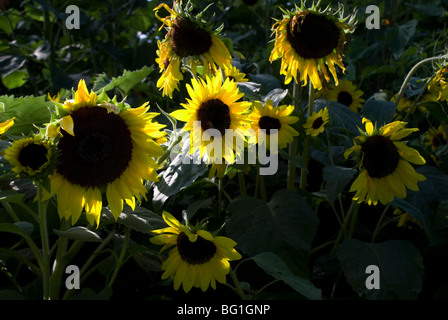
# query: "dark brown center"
[[312, 36], [100, 150], [345, 98], [268, 124], [380, 156], [188, 39], [214, 114], [198, 252], [33, 156]]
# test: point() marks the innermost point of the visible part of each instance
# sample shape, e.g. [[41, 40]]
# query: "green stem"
[[293, 145], [411, 72], [343, 231], [242, 183], [42, 209], [263, 194], [59, 264], [378, 225], [306, 143], [237, 287], [127, 236]]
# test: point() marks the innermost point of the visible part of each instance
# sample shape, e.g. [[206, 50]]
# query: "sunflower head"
[[438, 85], [310, 41], [265, 119], [316, 123], [190, 42], [197, 258], [103, 146], [32, 158], [346, 94], [435, 137], [212, 114], [385, 163]]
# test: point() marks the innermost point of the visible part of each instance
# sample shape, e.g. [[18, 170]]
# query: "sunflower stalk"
[[42, 209], [293, 144], [306, 143], [411, 73]]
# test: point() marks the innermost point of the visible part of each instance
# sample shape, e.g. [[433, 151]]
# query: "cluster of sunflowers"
[[97, 146]]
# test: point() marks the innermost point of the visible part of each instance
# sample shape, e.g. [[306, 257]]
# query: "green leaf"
[[274, 266], [28, 111], [181, 173], [276, 95], [400, 268], [285, 225], [125, 82], [340, 115], [15, 79], [337, 178], [397, 37], [141, 219], [11, 196], [379, 111], [21, 228], [79, 233]]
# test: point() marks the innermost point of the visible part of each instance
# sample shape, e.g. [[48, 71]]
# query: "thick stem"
[[293, 145], [42, 209], [306, 143]]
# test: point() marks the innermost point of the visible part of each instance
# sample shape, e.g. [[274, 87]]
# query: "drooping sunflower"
[[198, 259], [315, 124], [385, 163], [310, 42], [269, 118], [189, 43], [104, 146], [439, 84], [215, 117], [436, 137], [31, 156], [345, 93], [4, 126]]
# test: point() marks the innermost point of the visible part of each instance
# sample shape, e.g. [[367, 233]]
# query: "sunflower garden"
[[245, 150]]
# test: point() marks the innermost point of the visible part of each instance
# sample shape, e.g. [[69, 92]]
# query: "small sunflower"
[[29, 157], [234, 74], [315, 124], [213, 105], [384, 162], [104, 146], [345, 93], [269, 118], [439, 84], [436, 137], [310, 42], [189, 43], [404, 219], [4, 126], [198, 259]]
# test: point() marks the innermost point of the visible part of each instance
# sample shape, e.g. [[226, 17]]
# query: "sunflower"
[[345, 93], [103, 147], [309, 41], [29, 157], [4, 126], [435, 137], [439, 84], [315, 124], [189, 43], [198, 259], [215, 118], [384, 162], [404, 219], [234, 74], [269, 118]]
